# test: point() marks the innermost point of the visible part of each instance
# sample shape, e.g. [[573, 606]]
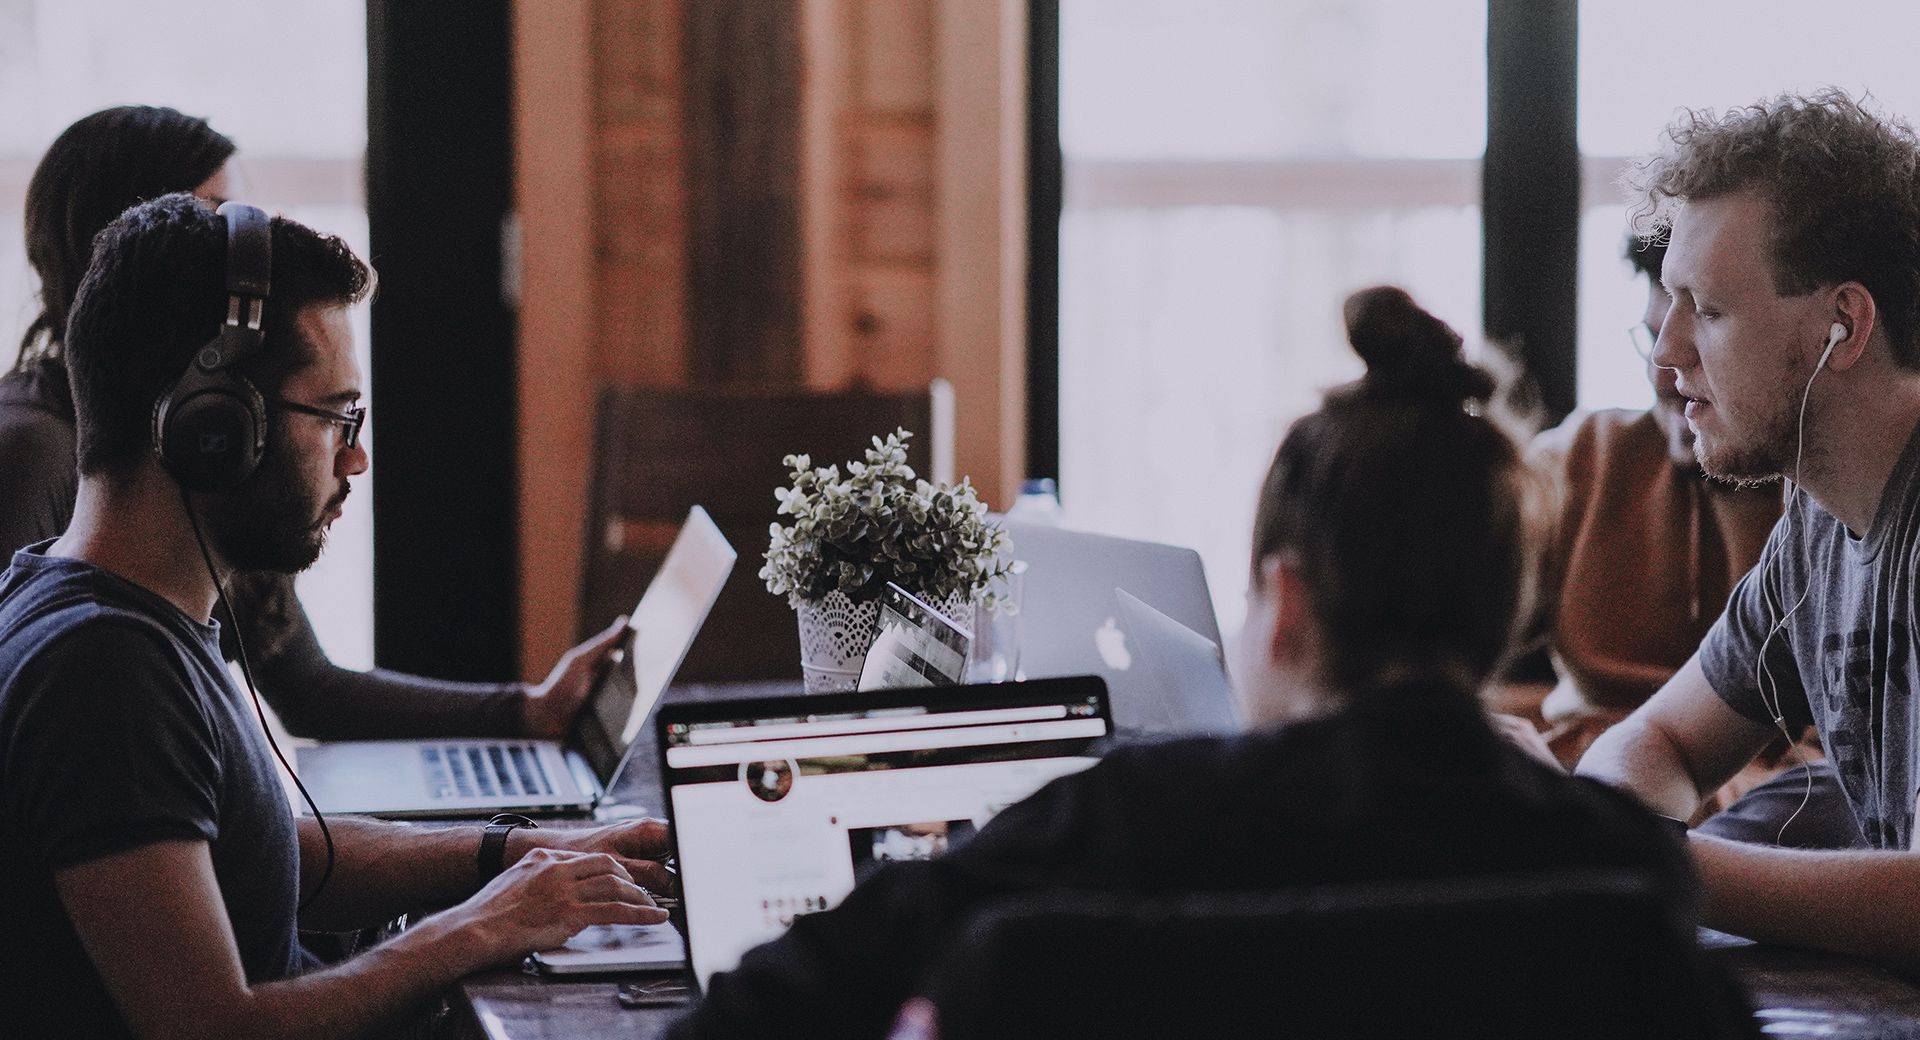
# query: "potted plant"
[[851, 536]]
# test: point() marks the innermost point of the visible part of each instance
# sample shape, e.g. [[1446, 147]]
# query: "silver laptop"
[[781, 805], [479, 777], [1070, 620], [1184, 672]]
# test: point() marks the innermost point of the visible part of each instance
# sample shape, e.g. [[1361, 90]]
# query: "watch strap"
[[493, 843]]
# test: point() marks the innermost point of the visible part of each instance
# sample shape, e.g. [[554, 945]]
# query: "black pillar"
[[439, 187], [1530, 190], [1045, 198]]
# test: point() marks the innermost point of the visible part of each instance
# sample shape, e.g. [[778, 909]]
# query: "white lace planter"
[[836, 633]]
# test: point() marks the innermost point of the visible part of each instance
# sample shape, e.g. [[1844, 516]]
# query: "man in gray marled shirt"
[[1794, 268]]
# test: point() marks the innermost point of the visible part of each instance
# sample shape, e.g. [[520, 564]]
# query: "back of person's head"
[[156, 292], [1648, 255], [94, 170], [1405, 513], [1842, 183]]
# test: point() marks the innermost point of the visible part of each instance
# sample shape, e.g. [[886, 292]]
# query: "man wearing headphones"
[[1794, 335], [151, 875]]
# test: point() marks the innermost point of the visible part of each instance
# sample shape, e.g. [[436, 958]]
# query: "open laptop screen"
[[659, 634], [780, 806]]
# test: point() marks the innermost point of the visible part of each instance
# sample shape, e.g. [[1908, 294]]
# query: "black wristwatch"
[[493, 843]]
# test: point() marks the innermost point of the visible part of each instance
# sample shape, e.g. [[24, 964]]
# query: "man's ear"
[[1292, 636], [1854, 308]]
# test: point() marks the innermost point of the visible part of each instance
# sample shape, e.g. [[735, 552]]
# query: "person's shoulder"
[[36, 418], [1601, 432], [96, 659], [1146, 779], [1603, 812], [1211, 753], [37, 394], [37, 434], [1906, 481], [1185, 771], [50, 605], [79, 632]]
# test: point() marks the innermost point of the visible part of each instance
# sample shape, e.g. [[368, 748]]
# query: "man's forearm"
[[366, 995], [1855, 902], [1683, 742], [382, 870], [1639, 758]]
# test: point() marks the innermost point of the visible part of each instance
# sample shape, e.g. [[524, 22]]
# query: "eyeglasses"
[[1643, 340], [350, 420]]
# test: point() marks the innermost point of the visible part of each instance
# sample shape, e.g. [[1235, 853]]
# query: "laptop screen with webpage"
[[780, 806]]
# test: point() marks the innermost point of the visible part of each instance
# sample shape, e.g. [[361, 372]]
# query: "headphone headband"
[[249, 250], [249, 281]]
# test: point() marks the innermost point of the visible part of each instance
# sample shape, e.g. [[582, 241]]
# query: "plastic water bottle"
[[995, 655], [1038, 503]]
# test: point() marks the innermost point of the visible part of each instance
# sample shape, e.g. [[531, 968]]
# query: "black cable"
[[240, 645]]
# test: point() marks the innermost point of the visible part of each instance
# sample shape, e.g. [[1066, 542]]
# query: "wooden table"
[[1795, 993], [502, 1004]]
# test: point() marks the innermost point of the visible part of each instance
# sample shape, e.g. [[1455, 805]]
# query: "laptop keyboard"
[[485, 771]]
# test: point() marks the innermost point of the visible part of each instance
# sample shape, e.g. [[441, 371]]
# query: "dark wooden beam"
[[743, 190]]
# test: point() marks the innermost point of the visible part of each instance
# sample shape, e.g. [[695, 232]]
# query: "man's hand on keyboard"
[[546, 897], [639, 845]]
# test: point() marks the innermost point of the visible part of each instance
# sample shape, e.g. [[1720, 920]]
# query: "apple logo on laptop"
[[1112, 644]]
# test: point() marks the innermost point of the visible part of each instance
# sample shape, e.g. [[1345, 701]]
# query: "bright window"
[[1642, 61], [1234, 168]]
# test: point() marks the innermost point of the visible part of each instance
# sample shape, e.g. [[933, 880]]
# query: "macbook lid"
[[659, 634]]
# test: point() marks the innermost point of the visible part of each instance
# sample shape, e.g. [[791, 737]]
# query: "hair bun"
[[1410, 354]]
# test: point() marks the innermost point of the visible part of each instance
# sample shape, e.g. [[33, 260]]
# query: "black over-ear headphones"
[[210, 429]]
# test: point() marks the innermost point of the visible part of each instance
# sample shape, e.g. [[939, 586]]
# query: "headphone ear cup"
[[210, 430], [210, 427]]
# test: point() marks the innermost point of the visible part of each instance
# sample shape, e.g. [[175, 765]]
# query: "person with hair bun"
[[98, 167], [1389, 560]]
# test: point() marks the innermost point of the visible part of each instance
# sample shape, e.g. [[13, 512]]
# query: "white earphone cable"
[[1764, 681]]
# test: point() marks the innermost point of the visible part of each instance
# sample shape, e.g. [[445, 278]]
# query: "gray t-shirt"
[[120, 728], [1844, 659]]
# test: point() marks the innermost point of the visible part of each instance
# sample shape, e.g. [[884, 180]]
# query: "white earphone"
[[1835, 333], [1763, 678]]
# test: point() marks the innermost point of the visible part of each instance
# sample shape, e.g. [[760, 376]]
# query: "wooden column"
[[742, 76], [823, 192], [980, 200]]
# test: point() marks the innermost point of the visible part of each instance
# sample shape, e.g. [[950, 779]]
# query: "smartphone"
[[655, 993]]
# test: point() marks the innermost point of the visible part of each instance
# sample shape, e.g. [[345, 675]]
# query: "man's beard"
[[268, 523], [1768, 456]]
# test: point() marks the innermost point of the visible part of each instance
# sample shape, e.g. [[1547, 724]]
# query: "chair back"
[[661, 450], [1567, 955]]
